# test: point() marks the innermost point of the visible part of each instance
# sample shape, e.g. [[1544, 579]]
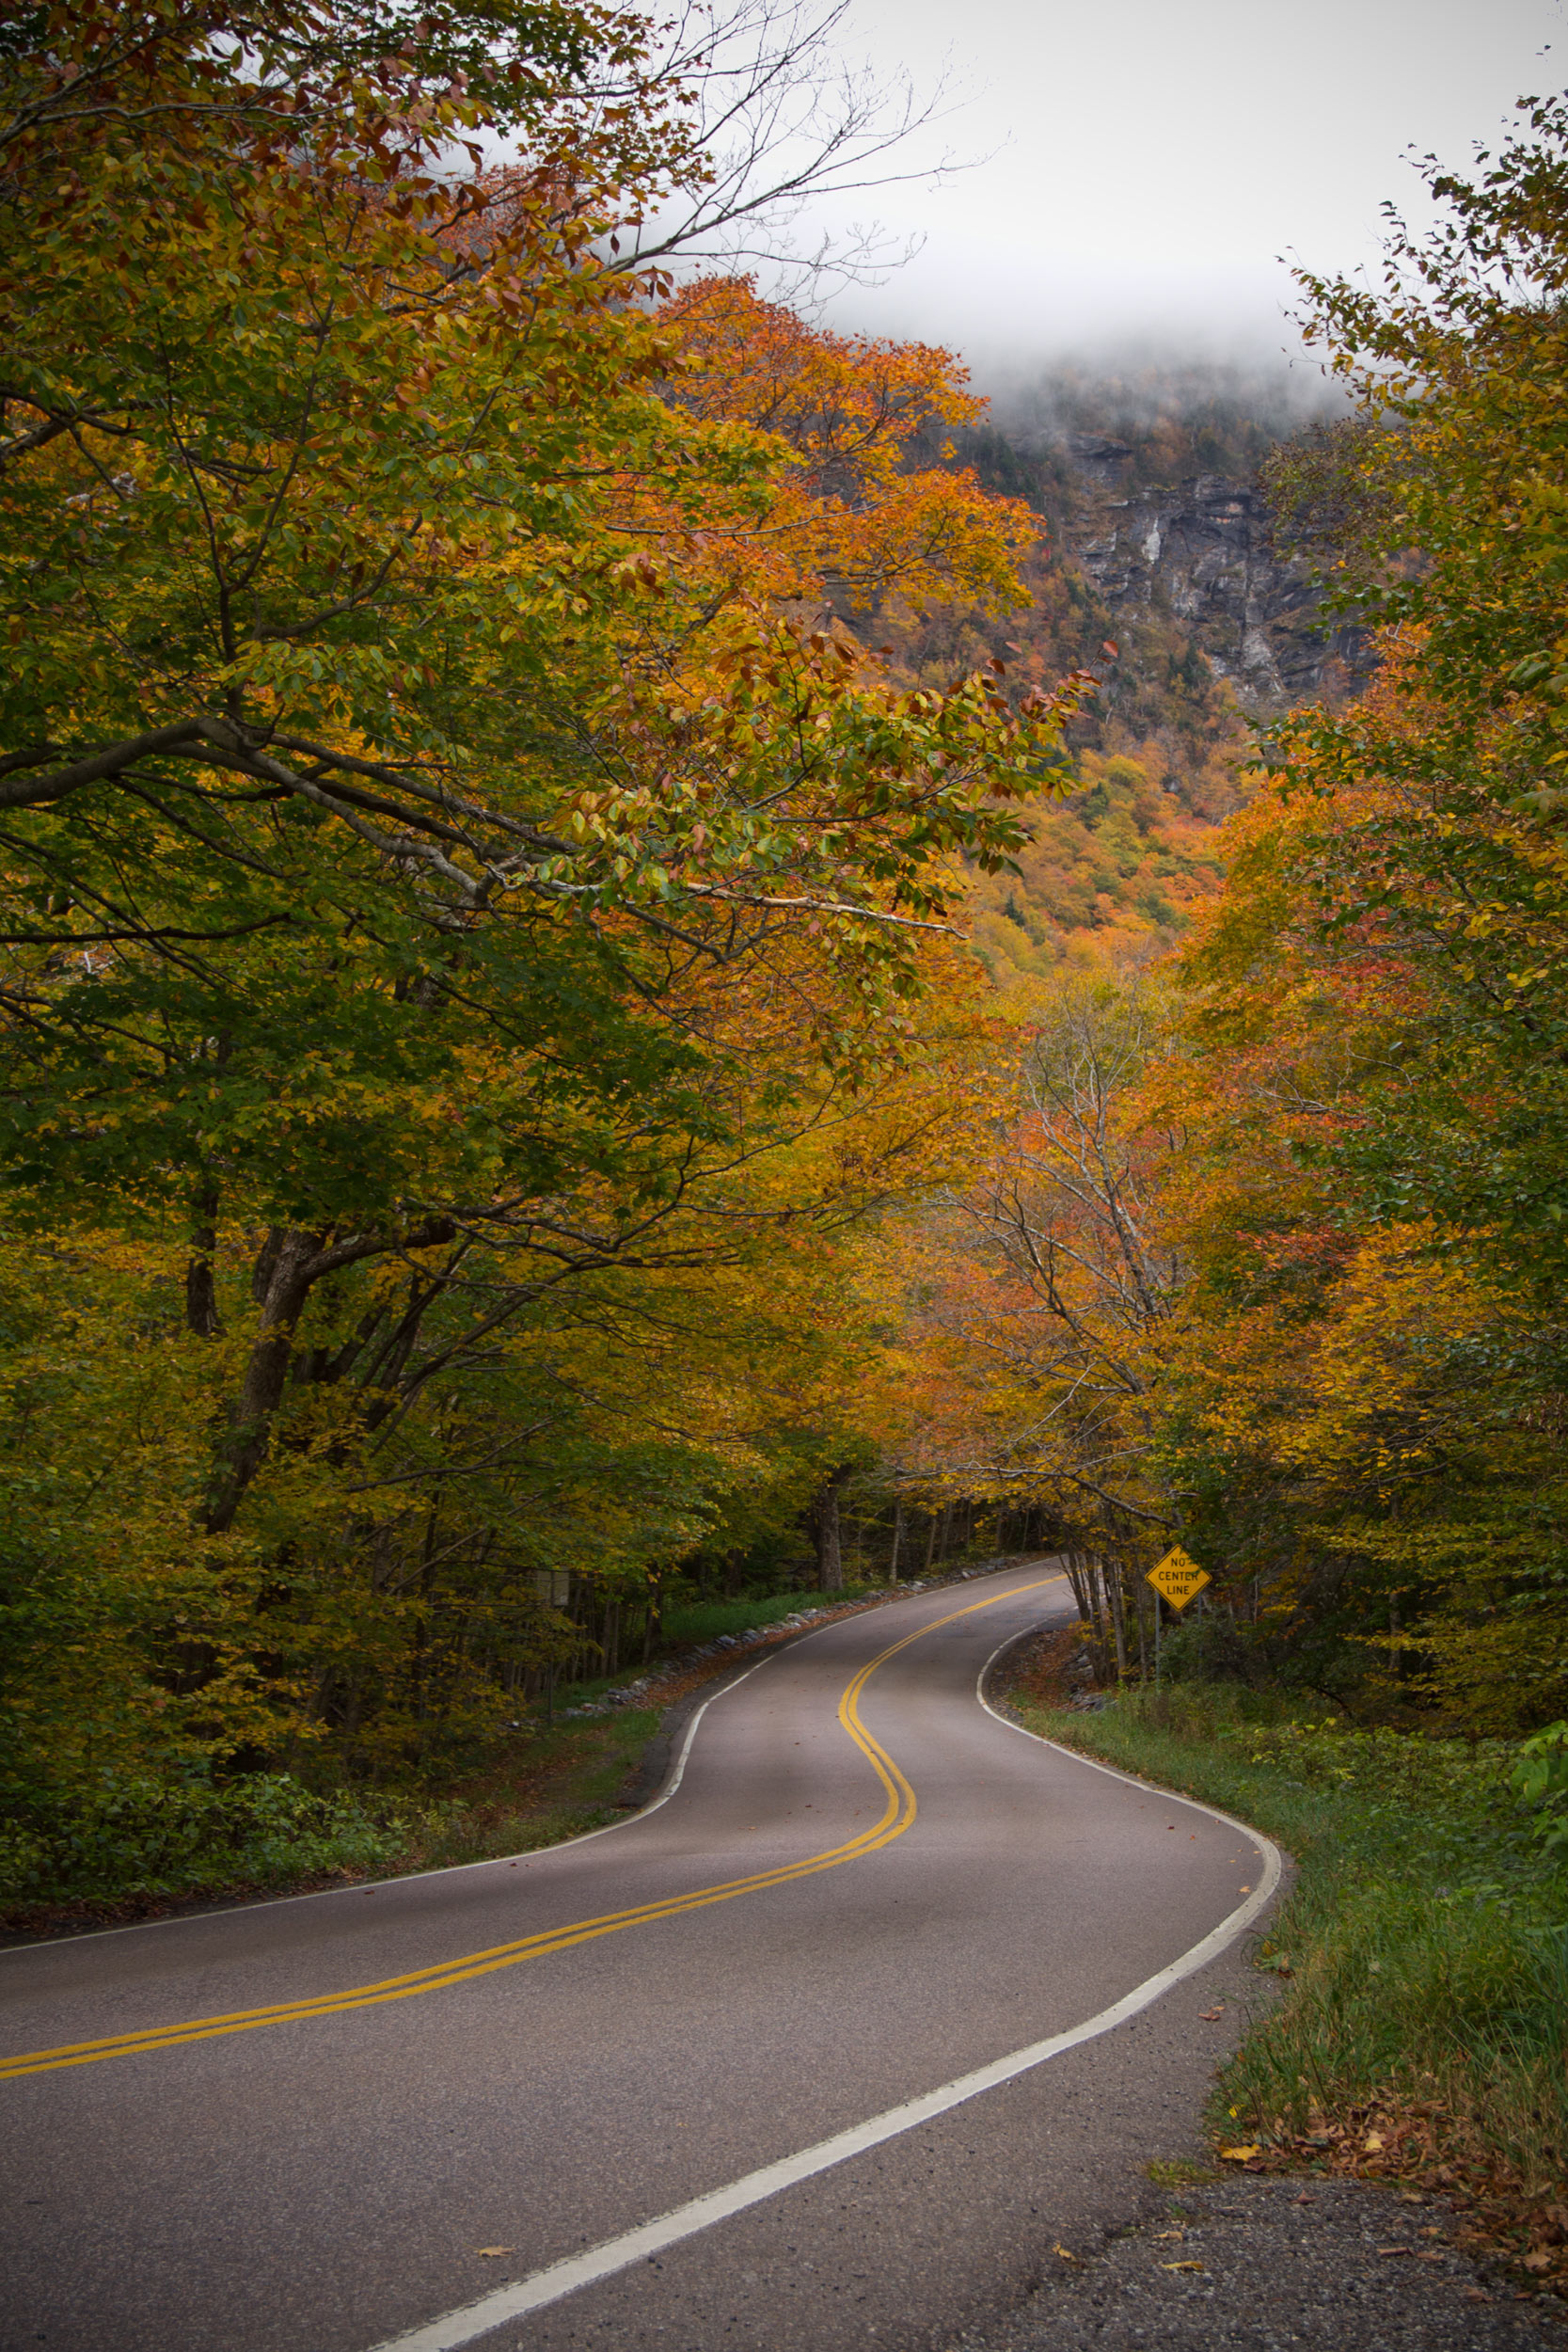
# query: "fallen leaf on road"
[[1539, 2259], [1428, 2254], [1181, 2266], [495, 2249], [1209, 2015], [1241, 2155], [1162, 2236], [1386, 2250], [1477, 2295], [1067, 2253], [1372, 2142]]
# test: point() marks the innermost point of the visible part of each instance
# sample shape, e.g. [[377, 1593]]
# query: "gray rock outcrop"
[[1203, 552]]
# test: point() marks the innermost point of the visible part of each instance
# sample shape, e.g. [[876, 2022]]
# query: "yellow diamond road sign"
[[1177, 1578]]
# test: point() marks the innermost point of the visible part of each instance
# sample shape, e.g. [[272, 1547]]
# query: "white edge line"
[[490, 1862], [569, 2276], [1273, 1859]]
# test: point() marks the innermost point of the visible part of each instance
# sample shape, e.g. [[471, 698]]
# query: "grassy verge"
[[1423, 2032], [568, 1784]]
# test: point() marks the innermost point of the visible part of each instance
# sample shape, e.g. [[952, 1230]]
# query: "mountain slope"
[[1160, 572]]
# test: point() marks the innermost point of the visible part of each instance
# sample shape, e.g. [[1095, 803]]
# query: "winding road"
[[831, 2046]]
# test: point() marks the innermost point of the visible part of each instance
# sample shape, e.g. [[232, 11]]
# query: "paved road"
[[304, 2119]]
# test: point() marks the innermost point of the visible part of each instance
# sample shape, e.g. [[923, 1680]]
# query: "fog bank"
[[1149, 168]]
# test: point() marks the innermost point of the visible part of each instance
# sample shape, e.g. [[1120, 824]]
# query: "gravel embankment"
[[1257, 2266]]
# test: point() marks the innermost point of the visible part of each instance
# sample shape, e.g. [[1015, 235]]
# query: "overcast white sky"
[[1153, 157]]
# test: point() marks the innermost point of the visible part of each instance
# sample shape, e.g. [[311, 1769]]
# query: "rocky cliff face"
[[1202, 552]]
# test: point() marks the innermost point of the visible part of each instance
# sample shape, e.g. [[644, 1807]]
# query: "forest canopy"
[[470, 895]]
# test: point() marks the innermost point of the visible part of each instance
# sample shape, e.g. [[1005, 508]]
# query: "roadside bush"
[[141, 1835]]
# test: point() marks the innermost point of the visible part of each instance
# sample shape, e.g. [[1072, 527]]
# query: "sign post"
[[1177, 1579]]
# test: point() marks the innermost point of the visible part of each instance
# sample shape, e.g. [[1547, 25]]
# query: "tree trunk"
[[898, 1531], [829, 1561], [279, 1284], [290, 1263], [1096, 1591], [1119, 1615], [201, 1300]]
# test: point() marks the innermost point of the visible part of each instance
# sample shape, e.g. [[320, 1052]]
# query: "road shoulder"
[[1249, 2266]]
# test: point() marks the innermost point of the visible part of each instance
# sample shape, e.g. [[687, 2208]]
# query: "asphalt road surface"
[[793, 2061]]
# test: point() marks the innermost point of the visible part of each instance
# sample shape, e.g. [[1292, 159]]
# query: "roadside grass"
[[1423, 2032], [1177, 2173], [567, 1785], [695, 1621]]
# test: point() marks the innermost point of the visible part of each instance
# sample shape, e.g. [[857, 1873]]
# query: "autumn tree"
[[1036, 1297], [1376, 1009]]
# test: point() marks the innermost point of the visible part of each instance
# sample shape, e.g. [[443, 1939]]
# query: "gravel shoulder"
[[1253, 2265]]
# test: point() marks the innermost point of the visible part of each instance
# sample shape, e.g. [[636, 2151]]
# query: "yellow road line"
[[897, 1816]]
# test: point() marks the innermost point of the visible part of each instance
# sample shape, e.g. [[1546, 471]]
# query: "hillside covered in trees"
[[1269, 1261]]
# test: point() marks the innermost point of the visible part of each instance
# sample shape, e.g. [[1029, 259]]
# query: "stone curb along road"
[[880, 1999]]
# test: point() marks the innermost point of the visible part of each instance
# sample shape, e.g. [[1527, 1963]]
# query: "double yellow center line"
[[897, 1815]]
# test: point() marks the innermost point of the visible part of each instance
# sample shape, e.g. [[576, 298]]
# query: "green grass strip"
[[1424, 1947]]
